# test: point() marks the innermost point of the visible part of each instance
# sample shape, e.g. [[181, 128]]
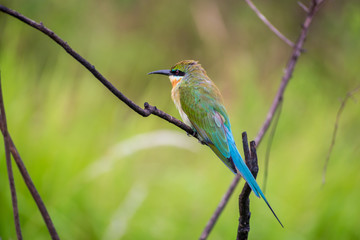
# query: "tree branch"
[[342, 106], [268, 23], [288, 71], [3, 126], [314, 8], [268, 147], [10, 146], [303, 7], [244, 202], [148, 109]]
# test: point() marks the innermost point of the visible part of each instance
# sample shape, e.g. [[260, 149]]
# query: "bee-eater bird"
[[201, 107]]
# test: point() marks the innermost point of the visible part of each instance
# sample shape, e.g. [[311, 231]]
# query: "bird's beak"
[[163, 72]]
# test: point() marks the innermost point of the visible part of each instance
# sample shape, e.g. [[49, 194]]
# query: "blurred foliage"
[[104, 172]]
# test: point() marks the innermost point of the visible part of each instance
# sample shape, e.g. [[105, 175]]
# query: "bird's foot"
[[194, 133]]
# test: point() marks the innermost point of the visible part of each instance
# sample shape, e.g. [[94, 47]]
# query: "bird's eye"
[[177, 72]]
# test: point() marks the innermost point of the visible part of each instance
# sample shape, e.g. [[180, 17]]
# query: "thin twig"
[[148, 109], [341, 109], [315, 6], [268, 23], [5, 132], [303, 6], [268, 147], [27, 179]]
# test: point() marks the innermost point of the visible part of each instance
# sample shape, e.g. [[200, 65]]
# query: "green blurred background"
[[104, 172]]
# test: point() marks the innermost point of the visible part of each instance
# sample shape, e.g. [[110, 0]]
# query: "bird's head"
[[181, 70]]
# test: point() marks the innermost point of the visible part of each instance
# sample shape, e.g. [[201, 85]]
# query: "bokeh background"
[[105, 172]]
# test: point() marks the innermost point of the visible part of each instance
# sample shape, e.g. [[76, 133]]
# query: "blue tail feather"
[[245, 172]]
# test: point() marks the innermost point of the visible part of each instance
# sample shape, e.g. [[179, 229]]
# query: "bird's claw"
[[195, 135]]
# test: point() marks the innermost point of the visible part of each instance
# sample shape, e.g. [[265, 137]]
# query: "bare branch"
[[288, 72], [148, 110], [244, 202], [27, 179], [268, 147], [342, 106], [315, 6], [268, 23], [5, 133], [303, 7]]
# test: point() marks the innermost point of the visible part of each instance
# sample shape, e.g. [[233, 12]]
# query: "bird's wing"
[[207, 114]]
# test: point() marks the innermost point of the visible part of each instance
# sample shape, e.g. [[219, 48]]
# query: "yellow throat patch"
[[175, 80]]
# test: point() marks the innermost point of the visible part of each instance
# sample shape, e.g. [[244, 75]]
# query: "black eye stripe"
[[177, 72]]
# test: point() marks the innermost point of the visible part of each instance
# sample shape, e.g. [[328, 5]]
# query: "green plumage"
[[202, 102]]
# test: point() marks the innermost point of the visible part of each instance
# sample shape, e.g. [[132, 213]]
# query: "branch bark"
[[314, 8], [3, 126], [10, 147], [244, 201]]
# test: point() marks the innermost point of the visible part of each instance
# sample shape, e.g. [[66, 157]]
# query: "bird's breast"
[[175, 95]]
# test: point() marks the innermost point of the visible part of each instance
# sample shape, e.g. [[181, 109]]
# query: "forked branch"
[[4, 129], [10, 147], [314, 8], [244, 201]]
